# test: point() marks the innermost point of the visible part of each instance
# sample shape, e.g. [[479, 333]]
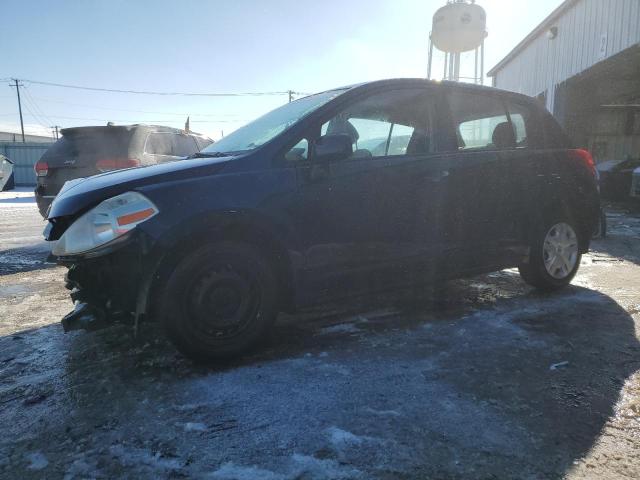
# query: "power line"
[[35, 105], [169, 120], [128, 110], [37, 118], [146, 92]]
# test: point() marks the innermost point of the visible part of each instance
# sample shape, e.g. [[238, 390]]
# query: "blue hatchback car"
[[380, 186]]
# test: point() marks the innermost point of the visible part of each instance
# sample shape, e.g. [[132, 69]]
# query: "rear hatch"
[[82, 152]]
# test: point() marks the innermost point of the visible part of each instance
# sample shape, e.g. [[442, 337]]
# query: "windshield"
[[267, 127]]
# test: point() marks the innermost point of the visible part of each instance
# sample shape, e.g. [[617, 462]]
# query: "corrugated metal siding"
[[575, 49], [24, 156]]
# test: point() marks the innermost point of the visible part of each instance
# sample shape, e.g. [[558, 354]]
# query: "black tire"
[[220, 301], [535, 272]]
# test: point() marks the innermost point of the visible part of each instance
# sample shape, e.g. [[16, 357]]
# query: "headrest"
[[503, 136], [339, 126]]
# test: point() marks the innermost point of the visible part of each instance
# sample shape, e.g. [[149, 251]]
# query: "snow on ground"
[[18, 197], [461, 386]]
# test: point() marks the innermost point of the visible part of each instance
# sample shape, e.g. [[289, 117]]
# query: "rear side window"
[[184, 145], [480, 122], [170, 144], [158, 144]]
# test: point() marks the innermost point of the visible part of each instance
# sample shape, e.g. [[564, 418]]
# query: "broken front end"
[[107, 261]]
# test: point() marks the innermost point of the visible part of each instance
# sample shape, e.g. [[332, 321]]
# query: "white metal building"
[[583, 62]]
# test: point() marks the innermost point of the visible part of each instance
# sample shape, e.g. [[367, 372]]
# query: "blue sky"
[[216, 46]]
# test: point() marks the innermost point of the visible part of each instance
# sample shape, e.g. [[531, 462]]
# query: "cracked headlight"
[[104, 223]]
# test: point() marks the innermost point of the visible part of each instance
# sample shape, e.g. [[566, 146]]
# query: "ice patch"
[[301, 466], [195, 427], [134, 457], [229, 471], [312, 468], [37, 461], [384, 413], [340, 328], [335, 369], [341, 438]]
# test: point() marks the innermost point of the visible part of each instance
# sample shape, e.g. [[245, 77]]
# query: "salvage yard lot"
[[487, 378]]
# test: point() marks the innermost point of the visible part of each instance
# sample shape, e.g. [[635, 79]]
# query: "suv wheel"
[[554, 257], [219, 301]]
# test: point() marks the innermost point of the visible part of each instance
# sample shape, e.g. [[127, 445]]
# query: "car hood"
[[79, 195]]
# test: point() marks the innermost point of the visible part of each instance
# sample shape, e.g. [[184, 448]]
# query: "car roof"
[[407, 82]]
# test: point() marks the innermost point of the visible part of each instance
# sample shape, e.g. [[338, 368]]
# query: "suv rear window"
[[86, 146]]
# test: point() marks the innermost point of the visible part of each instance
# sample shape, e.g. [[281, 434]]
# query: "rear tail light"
[[41, 169], [585, 157], [108, 164]]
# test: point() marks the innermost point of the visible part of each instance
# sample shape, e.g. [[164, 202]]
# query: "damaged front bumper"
[[106, 289]]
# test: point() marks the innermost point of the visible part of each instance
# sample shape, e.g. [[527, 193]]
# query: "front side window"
[[480, 122], [385, 124]]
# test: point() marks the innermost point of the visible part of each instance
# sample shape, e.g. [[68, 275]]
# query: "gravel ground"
[[487, 380]]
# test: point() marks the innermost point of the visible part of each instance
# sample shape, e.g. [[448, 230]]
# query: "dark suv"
[[386, 185], [85, 151]]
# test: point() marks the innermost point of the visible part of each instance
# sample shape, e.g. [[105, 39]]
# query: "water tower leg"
[[482, 63], [475, 73], [452, 62], [430, 58], [444, 74], [456, 67]]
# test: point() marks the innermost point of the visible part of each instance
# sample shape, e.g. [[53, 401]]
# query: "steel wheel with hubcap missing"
[[220, 301]]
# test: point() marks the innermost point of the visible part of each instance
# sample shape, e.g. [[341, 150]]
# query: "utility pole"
[[55, 128], [18, 85], [290, 92]]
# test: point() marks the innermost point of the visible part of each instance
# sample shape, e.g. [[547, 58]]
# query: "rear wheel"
[[219, 301], [554, 256]]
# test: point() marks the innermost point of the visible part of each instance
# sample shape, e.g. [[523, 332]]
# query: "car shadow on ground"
[[483, 379]]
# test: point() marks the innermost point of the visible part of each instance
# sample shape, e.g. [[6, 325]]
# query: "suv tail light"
[[41, 169], [585, 157], [108, 164]]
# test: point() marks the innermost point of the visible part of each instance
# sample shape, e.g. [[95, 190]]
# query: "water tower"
[[460, 26]]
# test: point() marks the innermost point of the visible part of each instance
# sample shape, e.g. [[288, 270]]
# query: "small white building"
[[583, 63], [17, 137]]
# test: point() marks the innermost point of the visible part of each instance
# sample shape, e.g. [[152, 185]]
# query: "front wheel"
[[554, 255], [219, 301]]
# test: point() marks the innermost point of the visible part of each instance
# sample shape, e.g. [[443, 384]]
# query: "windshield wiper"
[[210, 154]]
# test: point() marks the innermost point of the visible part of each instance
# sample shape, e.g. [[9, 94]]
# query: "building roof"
[[543, 27]]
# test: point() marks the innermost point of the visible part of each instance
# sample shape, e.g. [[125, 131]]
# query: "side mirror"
[[331, 148]]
